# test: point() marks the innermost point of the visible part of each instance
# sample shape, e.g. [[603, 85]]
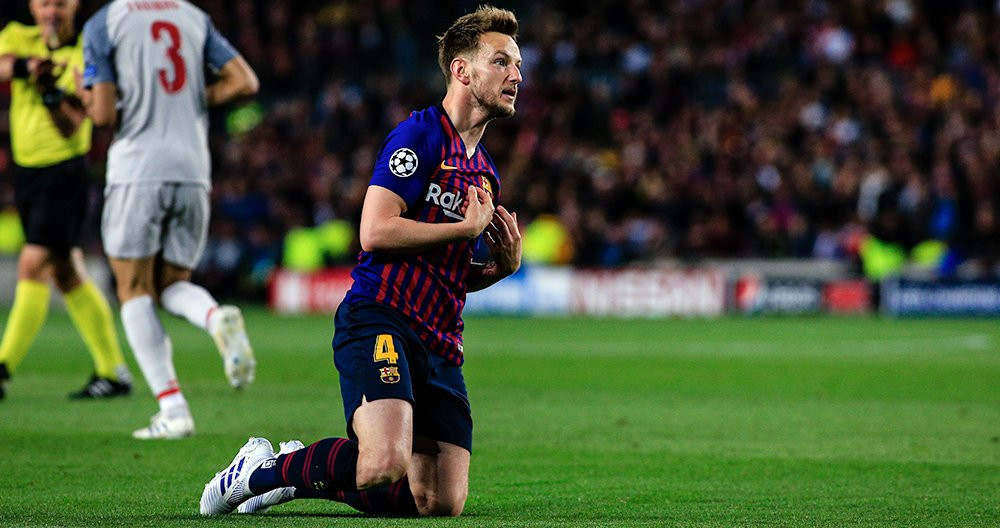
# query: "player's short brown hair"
[[463, 35]]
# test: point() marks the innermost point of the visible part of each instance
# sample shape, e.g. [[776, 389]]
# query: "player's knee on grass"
[[376, 471], [439, 503]]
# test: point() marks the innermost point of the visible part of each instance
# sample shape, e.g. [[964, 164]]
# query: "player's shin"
[[327, 465], [394, 500]]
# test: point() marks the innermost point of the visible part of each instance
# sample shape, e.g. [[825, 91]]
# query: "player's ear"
[[460, 70]]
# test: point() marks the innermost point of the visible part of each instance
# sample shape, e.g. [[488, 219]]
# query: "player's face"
[[54, 15], [496, 74]]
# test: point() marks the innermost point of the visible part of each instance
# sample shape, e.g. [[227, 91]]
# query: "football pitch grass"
[[579, 422]]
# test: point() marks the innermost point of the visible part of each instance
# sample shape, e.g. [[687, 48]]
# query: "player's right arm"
[[97, 87], [399, 182], [101, 103], [383, 227]]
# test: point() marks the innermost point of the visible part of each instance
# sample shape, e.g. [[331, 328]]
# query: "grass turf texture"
[[579, 422]]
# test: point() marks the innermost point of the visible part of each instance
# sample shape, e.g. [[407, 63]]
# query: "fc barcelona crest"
[[389, 374], [486, 185]]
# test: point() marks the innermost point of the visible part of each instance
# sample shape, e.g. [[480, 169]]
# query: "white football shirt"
[[156, 51]]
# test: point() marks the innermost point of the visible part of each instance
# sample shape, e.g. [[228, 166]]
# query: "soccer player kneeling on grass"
[[398, 340]]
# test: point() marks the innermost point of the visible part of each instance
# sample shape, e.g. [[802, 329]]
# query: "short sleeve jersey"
[[35, 140], [156, 53], [424, 161]]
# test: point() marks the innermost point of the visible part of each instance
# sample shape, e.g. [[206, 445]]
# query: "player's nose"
[[515, 75]]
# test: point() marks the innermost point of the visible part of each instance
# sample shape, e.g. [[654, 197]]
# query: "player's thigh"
[[186, 226], [132, 221], [439, 477], [370, 352], [384, 429]]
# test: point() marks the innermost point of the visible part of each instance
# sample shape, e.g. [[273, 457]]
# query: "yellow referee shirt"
[[35, 140]]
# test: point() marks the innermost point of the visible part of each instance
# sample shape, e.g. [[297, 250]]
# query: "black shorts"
[[378, 356], [52, 203]]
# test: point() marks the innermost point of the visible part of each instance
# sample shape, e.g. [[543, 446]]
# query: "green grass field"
[[733, 422]]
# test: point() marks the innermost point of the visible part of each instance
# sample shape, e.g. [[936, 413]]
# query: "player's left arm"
[[504, 240], [236, 79]]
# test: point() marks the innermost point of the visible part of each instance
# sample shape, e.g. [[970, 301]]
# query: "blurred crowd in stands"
[[645, 130]]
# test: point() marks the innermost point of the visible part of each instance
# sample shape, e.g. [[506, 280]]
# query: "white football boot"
[[260, 503], [167, 425], [230, 487], [229, 333]]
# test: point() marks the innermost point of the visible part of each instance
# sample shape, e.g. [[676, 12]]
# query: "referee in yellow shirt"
[[49, 137]]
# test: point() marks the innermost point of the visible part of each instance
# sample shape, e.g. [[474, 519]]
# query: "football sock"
[[172, 400], [91, 315], [190, 301], [152, 349], [27, 315], [392, 500], [330, 464]]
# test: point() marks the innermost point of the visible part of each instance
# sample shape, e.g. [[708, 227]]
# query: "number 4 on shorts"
[[385, 350]]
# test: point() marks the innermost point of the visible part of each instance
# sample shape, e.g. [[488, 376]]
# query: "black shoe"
[[98, 388], [4, 376]]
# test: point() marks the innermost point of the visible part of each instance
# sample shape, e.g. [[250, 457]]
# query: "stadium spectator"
[[430, 202], [156, 213], [50, 135]]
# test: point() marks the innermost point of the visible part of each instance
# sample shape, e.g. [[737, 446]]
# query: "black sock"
[[330, 465], [394, 500]]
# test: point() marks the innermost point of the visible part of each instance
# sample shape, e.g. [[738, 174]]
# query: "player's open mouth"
[[510, 92]]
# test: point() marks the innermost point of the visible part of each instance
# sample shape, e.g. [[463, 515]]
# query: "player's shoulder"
[[428, 119], [422, 125]]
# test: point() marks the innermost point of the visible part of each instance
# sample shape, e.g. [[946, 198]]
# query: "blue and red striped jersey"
[[424, 161]]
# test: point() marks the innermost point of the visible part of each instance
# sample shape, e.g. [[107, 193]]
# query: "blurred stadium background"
[[784, 156]]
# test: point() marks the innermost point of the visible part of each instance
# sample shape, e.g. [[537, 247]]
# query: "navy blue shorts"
[[379, 356]]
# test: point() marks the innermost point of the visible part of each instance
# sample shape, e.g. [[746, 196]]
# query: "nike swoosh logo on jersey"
[[445, 166]]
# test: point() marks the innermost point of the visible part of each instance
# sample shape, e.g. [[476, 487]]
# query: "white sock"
[[174, 403], [153, 350], [190, 301]]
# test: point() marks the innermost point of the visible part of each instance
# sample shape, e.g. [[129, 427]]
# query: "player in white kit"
[[145, 72]]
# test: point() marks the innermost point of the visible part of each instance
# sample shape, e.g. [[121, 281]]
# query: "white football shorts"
[[143, 219]]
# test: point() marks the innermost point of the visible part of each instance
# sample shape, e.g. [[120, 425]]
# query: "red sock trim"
[[208, 317], [305, 467], [284, 468], [168, 392]]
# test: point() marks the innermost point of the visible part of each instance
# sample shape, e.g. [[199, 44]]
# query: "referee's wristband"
[[53, 98], [21, 68]]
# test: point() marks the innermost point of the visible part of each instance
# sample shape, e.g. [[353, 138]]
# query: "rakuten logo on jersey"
[[450, 202]]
